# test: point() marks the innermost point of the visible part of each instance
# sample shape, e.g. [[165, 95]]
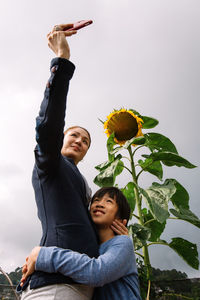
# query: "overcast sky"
[[140, 54]]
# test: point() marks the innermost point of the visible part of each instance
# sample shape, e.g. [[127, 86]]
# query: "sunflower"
[[125, 124]]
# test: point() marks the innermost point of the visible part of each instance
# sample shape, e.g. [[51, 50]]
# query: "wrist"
[[64, 54]]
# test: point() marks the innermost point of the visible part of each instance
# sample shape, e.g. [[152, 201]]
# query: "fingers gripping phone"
[[80, 24]]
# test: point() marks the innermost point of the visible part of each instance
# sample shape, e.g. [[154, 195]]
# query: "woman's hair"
[[73, 127], [124, 209]]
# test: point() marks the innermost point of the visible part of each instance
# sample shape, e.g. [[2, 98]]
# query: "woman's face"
[[75, 144], [104, 211]]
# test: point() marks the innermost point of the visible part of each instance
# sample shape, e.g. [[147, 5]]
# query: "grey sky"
[[140, 54]]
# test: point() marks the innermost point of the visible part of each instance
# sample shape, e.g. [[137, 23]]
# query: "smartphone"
[[80, 24]]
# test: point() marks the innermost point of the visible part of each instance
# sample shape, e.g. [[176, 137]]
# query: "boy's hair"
[[124, 209]]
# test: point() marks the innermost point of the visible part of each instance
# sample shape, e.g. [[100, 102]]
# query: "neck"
[[105, 234]]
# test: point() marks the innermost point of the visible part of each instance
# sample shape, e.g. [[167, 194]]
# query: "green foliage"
[[156, 227], [186, 250], [159, 142], [171, 159], [149, 122], [140, 234], [157, 197], [153, 167], [180, 197], [173, 274], [108, 172], [153, 202], [128, 192], [186, 215], [15, 277]]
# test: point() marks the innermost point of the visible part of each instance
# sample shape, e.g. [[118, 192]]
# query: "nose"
[[78, 141], [100, 203]]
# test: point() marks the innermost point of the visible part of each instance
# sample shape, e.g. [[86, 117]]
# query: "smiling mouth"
[[97, 212], [76, 148]]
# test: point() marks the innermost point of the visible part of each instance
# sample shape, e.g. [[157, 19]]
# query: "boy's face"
[[104, 211]]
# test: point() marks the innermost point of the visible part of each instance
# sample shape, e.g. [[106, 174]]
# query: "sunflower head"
[[125, 125]]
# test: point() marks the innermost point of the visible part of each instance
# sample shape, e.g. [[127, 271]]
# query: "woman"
[[60, 190], [114, 271]]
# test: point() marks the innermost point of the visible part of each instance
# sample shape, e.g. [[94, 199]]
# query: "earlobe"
[[124, 222]]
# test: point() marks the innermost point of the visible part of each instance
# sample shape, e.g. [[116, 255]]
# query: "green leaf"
[[172, 158], [140, 235], [106, 164], [116, 149], [181, 196], [135, 112], [108, 174], [103, 166], [128, 192], [136, 141], [110, 144], [157, 197], [186, 215], [149, 122], [154, 168], [157, 141], [186, 250], [156, 227]]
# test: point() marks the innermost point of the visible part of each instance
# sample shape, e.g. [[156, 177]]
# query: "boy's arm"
[[115, 263]]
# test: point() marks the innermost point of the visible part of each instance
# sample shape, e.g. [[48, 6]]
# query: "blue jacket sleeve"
[[50, 122], [116, 262]]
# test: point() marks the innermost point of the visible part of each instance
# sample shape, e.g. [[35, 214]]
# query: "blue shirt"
[[114, 272]]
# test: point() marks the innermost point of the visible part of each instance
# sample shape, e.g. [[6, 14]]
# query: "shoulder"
[[122, 241]]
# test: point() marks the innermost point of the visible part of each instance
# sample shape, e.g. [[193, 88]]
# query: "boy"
[[114, 272]]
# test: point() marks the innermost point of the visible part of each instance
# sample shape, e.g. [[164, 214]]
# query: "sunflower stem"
[[138, 149], [139, 254], [126, 158], [140, 219], [127, 169]]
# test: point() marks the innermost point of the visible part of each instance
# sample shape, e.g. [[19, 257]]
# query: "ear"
[[124, 222]]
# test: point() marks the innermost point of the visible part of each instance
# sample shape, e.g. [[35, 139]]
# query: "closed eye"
[[109, 200]]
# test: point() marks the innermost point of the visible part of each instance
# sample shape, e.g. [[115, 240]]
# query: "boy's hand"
[[119, 227], [29, 267]]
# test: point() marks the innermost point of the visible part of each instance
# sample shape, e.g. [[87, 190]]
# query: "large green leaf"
[[153, 167], [157, 197], [156, 227], [186, 250], [180, 197], [157, 141], [149, 122], [140, 235], [128, 192], [172, 158], [108, 174], [186, 215]]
